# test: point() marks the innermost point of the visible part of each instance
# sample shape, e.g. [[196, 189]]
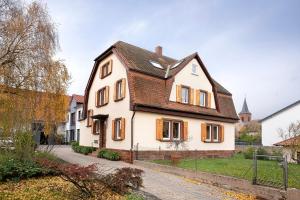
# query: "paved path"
[[159, 184]]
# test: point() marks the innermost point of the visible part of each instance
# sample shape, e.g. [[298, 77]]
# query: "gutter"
[[131, 142]]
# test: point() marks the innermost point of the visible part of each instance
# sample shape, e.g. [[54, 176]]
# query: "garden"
[[26, 173], [240, 166]]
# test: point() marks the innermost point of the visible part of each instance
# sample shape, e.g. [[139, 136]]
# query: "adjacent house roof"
[[282, 110], [245, 109], [288, 142], [150, 84], [78, 98]]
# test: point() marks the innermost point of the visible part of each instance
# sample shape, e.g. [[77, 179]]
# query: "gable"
[[197, 81]]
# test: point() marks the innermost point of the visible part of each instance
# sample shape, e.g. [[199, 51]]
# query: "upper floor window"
[[185, 94], [72, 119], [194, 69], [203, 98], [120, 86], [89, 118], [79, 114], [106, 69], [102, 96]]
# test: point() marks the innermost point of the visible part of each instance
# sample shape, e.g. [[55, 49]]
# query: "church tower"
[[245, 115]]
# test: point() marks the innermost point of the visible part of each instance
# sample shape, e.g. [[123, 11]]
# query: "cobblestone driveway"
[[161, 185]]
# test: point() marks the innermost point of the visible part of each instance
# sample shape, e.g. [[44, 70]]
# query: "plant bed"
[[82, 149], [109, 155]]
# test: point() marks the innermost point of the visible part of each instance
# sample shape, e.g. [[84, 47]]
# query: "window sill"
[[169, 140], [212, 142], [196, 74], [118, 140], [102, 77], [98, 106], [120, 99]]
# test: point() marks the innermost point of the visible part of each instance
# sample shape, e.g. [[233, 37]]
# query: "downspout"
[[131, 146]]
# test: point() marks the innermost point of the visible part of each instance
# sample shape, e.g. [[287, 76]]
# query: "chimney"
[[158, 51]]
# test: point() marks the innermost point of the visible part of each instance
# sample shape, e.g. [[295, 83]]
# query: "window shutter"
[[221, 135], [122, 128], [123, 87], [203, 132], [185, 131], [93, 128], [178, 93], [209, 99], [113, 130], [191, 96], [96, 98], [100, 71], [110, 66], [106, 95], [115, 91], [159, 129], [197, 97]]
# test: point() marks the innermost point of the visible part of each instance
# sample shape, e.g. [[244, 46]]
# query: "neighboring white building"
[[279, 120], [138, 102], [72, 128]]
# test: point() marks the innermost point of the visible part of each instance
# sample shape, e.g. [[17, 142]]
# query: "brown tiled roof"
[[150, 86], [78, 98], [288, 142]]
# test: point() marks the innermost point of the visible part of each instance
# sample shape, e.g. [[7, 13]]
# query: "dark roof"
[[282, 110], [245, 109], [288, 142], [151, 86]]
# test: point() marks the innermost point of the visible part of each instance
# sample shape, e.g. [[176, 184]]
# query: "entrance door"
[[102, 136]]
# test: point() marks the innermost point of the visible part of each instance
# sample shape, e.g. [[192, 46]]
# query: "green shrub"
[[24, 145], [108, 154], [248, 154], [82, 149], [133, 196]]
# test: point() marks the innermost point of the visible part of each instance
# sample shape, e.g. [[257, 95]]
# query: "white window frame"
[[213, 136], [208, 139], [194, 69], [179, 130], [185, 95], [203, 104], [119, 89], [100, 93], [169, 132], [118, 129]]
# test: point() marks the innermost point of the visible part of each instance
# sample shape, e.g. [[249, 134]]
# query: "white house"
[[72, 128], [279, 120], [140, 103]]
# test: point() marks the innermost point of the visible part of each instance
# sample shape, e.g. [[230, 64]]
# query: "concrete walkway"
[[159, 184]]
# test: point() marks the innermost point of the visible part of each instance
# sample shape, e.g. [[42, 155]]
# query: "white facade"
[[271, 125], [144, 124], [72, 129]]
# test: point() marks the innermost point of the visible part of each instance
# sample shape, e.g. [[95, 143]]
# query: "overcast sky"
[[251, 47]]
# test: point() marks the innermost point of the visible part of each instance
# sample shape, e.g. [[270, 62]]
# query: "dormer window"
[[106, 69], [185, 94], [194, 69], [156, 64]]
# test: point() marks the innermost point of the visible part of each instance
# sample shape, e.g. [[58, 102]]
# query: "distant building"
[[245, 114], [279, 120]]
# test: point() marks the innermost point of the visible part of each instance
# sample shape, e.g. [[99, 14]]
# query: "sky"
[[251, 47]]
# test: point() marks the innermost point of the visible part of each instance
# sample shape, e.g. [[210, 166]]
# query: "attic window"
[[155, 64], [176, 64]]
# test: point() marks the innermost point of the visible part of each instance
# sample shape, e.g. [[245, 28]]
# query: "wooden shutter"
[[159, 129], [113, 137], [96, 99], [197, 98], [110, 66], [185, 131], [123, 87], [209, 99], [122, 128], [191, 96], [221, 134], [203, 132], [178, 93], [115, 91], [106, 99], [100, 71]]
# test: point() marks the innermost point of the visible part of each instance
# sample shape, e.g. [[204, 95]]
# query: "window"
[[96, 127], [194, 69], [155, 64], [72, 119], [184, 94], [89, 117], [102, 97], [79, 114], [176, 130], [119, 93], [118, 129], [166, 130], [203, 98], [174, 127], [106, 69], [212, 133]]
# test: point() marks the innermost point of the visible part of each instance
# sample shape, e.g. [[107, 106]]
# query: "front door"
[[102, 136]]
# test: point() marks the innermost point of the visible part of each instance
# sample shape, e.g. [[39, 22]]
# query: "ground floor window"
[[212, 133], [72, 135], [172, 130], [118, 129]]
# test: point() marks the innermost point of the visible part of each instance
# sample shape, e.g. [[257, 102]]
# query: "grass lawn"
[[239, 167]]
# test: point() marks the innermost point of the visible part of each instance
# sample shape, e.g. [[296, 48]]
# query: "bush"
[[24, 145], [108, 154], [248, 154], [82, 149], [133, 196]]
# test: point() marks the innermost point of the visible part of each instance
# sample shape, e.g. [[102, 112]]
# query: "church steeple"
[[245, 114]]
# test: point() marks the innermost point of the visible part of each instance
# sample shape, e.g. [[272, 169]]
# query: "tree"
[[32, 83], [291, 137]]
